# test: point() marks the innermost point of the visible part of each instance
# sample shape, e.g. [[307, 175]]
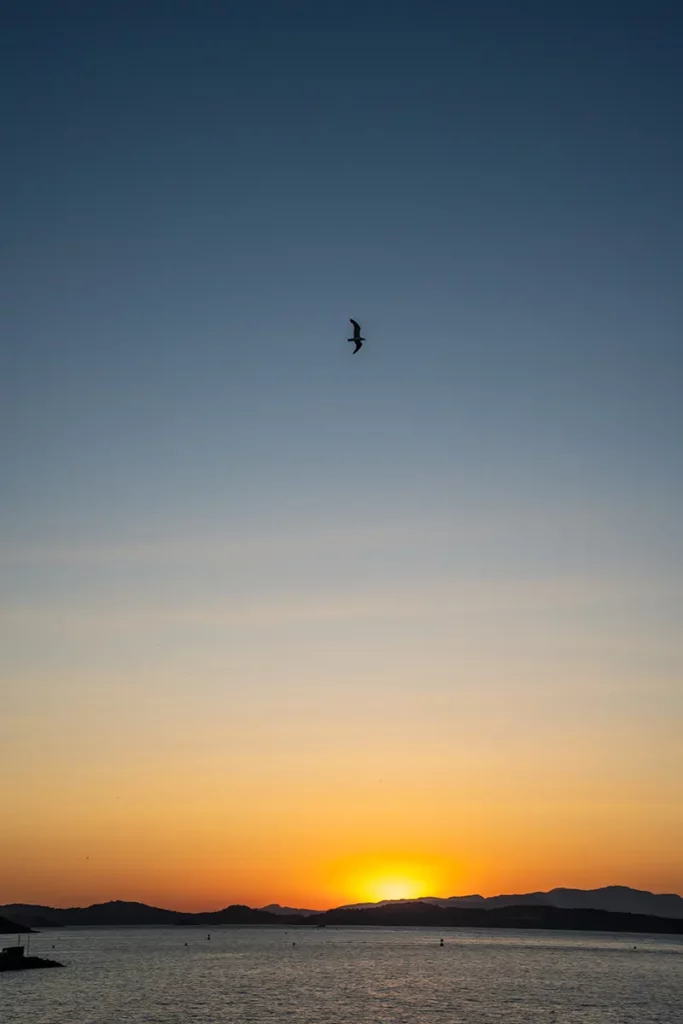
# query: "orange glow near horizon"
[[276, 762], [191, 849], [381, 877], [196, 876]]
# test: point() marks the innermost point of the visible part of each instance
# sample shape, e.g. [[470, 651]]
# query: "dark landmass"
[[426, 915], [275, 908], [31, 915], [28, 963], [119, 913], [8, 927], [115, 914], [238, 914], [615, 898], [530, 911], [12, 958]]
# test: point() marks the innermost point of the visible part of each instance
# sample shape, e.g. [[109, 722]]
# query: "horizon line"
[[345, 906]]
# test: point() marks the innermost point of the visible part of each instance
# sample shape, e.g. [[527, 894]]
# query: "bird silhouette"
[[356, 339]]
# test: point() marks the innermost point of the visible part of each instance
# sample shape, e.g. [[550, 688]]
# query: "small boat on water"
[[13, 958]]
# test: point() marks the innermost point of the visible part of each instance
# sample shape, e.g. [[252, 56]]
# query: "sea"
[[331, 975]]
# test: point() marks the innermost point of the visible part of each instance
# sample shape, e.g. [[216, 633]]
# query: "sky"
[[279, 623]]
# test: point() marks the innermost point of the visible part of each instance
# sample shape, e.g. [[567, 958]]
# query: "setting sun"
[[397, 889], [393, 880]]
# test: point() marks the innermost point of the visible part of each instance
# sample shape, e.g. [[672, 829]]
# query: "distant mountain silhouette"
[[614, 908], [8, 927], [115, 913], [422, 914], [618, 899], [275, 908], [237, 914], [118, 913], [31, 915]]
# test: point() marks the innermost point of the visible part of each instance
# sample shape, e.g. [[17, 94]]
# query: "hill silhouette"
[[119, 913], [525, 916], [275, 908], [529, 910], [8, 927], [615, 898]]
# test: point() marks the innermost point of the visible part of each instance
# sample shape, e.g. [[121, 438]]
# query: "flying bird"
[[356, 339]]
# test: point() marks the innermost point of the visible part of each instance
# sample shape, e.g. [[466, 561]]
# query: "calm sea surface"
[[346, 976]]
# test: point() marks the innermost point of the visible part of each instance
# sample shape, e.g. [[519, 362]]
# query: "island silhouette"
[[566, 909]]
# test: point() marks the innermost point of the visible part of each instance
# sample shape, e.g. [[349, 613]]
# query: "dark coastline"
[[28, 963], [414, 914], [543, 917], [8, 927]]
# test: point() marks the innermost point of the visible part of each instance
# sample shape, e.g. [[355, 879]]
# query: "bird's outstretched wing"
[[356, 328], [359, 345]]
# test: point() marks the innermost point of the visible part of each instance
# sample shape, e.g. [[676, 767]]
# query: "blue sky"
[[200, 200], [197, 198]]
